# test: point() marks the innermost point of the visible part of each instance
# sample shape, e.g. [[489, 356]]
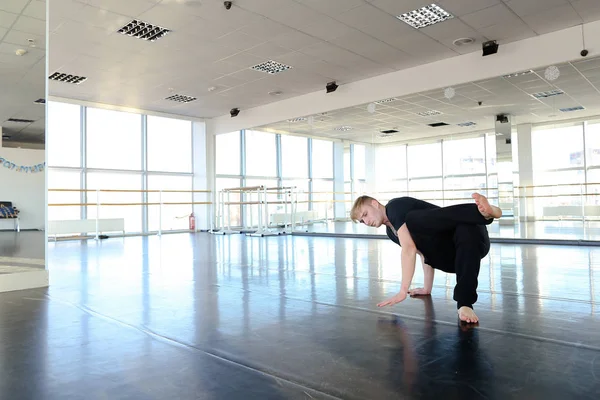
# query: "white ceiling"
[[323, 40], [22, 78], [579, 80]]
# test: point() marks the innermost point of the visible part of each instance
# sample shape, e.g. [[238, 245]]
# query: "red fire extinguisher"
[[192, 222]]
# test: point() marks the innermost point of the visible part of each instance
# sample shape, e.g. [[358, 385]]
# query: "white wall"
[[25, 190]]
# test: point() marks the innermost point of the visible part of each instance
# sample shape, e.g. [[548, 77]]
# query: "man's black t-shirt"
[[438, 250]]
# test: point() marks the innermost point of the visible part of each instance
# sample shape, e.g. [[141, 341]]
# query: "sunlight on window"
[[64, 135], [64, 179], [228, 153], [425, 160], [294, 157], [261, 154], [169, 144], [174, 217], [115, 180], [322, 158], [114, 139]]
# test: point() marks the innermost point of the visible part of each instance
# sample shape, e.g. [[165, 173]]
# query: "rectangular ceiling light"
[[67, 78], [437, 124], [181, 98], [425, 16], [549, 93], [143, 30], [40, 101], [271, 67], [300, 119], [469, 123], [428, 113], [571, 109]]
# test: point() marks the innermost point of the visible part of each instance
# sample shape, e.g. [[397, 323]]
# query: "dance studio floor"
[[293, 317]]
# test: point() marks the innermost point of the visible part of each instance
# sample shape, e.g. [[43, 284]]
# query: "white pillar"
[[0, 137], [370, 173], [525, 168], [203, 167], [339, 207]]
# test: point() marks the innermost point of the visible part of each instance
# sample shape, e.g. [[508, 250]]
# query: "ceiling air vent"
[[386, 100], [300, 119], [468, 123], [550, 93], [571, 109], [22, 121], [344, 128], [180, 98], [40, 101], [143, 30], [67, 78], [271, 67], [389, 131], [429, 113], [436, 124]]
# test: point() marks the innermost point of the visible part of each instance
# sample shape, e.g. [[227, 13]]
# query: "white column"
[[339, 207], [370, 173], [203, 167], [525, 168], [0, 137]]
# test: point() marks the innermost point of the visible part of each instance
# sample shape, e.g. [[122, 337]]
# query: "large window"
[[114, 139], [425, 172], [322, 159], [228, 214], [169, 145], [174, 216], [64, 179], [294, 157], [64, 135], [116, 143], [464, 169], [228, 153], [558, 169], [130, 211], [261, 154]]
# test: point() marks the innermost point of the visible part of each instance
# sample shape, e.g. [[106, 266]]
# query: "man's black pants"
[[462, 241]]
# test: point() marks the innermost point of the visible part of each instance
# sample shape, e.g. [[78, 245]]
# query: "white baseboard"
[[24, 280]]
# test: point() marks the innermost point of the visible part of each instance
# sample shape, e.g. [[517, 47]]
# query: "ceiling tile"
[[22, 39], [553, 19], [495, 15], [294, 40], [7, 19], [13, 6], [588, 10], [528, 7], [36, 9], [238, 40], [30, 25], [462, 7], [332, 7], [268, 50]]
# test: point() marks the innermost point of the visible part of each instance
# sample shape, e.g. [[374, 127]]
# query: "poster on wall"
[[22, 168]]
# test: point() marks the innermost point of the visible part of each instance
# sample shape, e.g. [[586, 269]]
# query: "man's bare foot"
[[467, 315], [485, 208]]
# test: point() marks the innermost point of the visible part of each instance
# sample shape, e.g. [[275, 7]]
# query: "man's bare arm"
[[428, 273], [408, 260]]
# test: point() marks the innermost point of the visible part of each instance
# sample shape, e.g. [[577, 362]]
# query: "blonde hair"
[[358, 203]]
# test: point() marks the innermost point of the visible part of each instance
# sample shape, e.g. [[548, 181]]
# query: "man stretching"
[[452, 239]]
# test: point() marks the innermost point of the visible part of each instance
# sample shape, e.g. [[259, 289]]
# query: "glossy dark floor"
[[227, 317]]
